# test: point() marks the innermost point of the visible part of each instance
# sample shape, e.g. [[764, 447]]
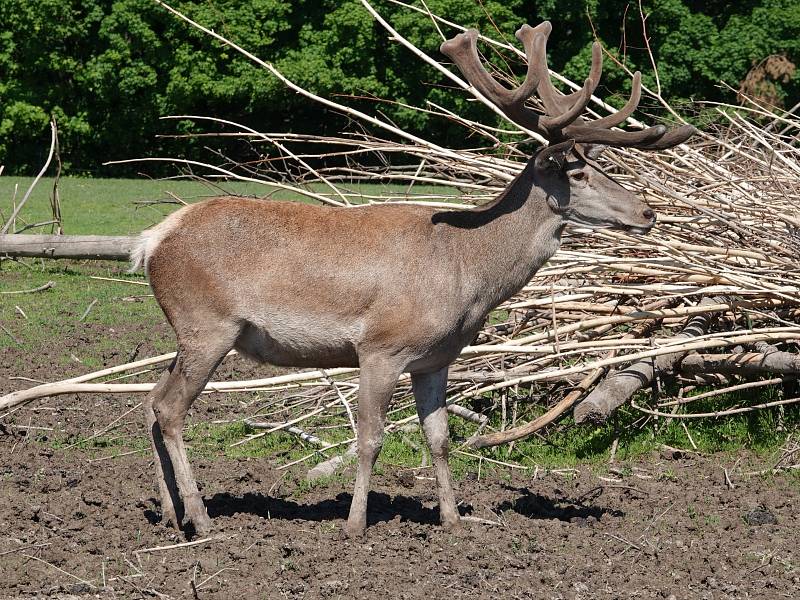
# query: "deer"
[[414, 286]]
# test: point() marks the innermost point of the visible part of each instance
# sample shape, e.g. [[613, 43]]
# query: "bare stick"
[[720, 413], [55, 198], [727, 390], [119, 280], [176, 546], [10, 334], [70, 387], [88, 309], [41, 288], [22, 202], [343, 400], [60, 570], [303, 435]]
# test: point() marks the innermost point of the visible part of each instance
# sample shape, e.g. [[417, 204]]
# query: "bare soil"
[[75, 526]]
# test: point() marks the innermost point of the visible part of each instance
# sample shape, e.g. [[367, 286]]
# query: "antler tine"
[[535, 41], [556, 103], [595, 73], [652, 138], [588, 134], [528, 87], [627, 110], [563, 120], [670, 138], [463, 51], [534, 38]]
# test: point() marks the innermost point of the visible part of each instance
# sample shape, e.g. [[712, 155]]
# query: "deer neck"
[[504, 243]]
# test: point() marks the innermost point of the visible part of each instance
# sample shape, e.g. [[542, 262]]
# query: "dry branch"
[[72, 387], [742, 363], [620, 385], [518, 433], [12, 219], [41, 288]]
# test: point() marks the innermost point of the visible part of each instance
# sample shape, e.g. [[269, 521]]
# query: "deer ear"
[[593, 151], [554, 157]]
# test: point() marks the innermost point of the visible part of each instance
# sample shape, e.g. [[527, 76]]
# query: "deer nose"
[[648, 213]]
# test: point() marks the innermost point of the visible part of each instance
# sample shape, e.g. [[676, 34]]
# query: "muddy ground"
[[72, 525], [75, 523]]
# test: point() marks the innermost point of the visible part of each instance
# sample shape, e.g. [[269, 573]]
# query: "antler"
[[562, 119]]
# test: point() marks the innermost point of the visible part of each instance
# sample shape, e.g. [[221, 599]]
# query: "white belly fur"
[[300, 340]]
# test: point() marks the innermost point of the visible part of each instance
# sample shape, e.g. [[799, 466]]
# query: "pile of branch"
[[710, 299]]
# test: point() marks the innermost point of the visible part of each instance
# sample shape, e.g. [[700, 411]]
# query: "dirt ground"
[[75, 526]]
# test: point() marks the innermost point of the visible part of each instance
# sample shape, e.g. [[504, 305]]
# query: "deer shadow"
[[382, 508], [537, 506]]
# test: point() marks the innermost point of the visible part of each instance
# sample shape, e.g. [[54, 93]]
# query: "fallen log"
[[742, 363], [93, 247], [619, 386]]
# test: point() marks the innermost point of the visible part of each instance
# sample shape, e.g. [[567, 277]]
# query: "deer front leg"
[[377, 382], [429, 393]]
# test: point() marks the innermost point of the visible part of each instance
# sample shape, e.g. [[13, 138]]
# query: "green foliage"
[[108, 70]]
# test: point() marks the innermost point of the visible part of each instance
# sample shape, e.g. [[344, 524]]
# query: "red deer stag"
[[411, 288]]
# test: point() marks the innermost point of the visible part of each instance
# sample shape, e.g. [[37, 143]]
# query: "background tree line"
[[107, 70]]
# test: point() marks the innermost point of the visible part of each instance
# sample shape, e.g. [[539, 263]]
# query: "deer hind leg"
[[429, 393], [165, 478], [191, 370], [377, 382]]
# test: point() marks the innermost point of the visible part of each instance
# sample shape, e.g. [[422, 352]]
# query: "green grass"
[[127, 206], [119, 318], [566, 445], [105, 206]]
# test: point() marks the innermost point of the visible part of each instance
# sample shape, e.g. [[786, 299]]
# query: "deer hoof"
[[200, 524], [451, 524], [354, 531]]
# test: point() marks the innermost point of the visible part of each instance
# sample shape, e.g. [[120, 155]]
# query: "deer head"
[[575, 186]]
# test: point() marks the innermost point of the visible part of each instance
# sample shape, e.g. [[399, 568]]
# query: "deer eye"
[[578, 175]]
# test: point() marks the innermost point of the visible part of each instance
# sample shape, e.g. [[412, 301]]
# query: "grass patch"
[[110, 206], [121, 317], [214, 441], [566, 446], [127, 206]]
